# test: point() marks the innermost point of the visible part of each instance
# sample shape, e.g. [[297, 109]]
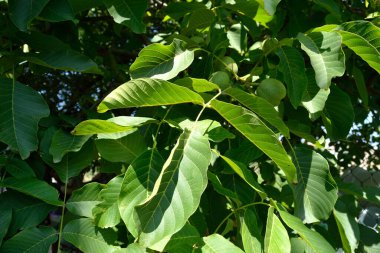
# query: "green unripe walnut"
[[228, 64], [272, 90], [221, 78]]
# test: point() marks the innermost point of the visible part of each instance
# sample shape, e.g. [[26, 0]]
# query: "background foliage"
[[188, 126]]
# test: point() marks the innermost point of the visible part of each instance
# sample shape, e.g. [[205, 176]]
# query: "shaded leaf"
[[162, 62], [125, 149], [177, 191], [292, 67], [129, 13], [216, 243], [57, 11], [33, 187], [360, 85], [200, 19], [83, 234], [276, 236], [148, 92], [137, 185], [21, 108], [255, 130], [259, 106], [5, 221], [83, 200], [184, 240], [31, 240], [326, 55], [197, 84], [22, 12], [63, 143], [338, 114], [250, 233], [18, 168]]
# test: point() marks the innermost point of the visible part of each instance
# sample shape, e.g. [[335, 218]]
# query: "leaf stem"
[[235, 211], [207, 105], [62, 216], [158, 128]]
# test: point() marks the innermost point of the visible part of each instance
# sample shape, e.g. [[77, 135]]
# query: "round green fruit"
[[221, 78], [227, 63], [272, 90]]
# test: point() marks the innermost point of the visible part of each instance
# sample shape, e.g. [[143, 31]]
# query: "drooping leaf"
[[83, 200], [129, 13], [200, 19], [276, 236], [22, 12], [216, 243], [83, 234], [107, 213], [313, 239], [326, 55], [197, 84], [148, 92], [316, 192], [112, 125], [177, 191], [237, 37], [57, 11], [5, 221], [184, 240], [250, 233], [259, 106], [369, 240], [292, 67], [125, 149], [137, 185], [63, 143], [21, 108], [348, 227], [245, 174], [162, 62], [33, 187], [74, 162], [362, 38], [360, 85], [255, 131], [31, 240], [253, 9], [338, 114], [177, 10]]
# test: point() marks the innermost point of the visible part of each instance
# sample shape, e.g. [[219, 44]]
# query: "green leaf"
[[83, 200], [184, 241], [245, 174], [369, 240], [137, 185], [201, 19], [313, 239], [250, 233], [22, 12], [237, 37], [259, 106], [79, 6], [31, 240], [326, 55], [107, 213], [348, 227], [18, 168], [57, 11], [253, 9], [33, 187], [177, 191], [197, 84], [292, 67], [162, 62], [5, 221], [216, 243], [255, 131], [63, 143], [316, 192], [360, 85], [125, 149], [361, 37], [148, 92], [178, 10], [73, 163], [128, 12], [331, 6], [338, 115], [276, 236], [21, 108], [132, 248], [112, 125], [269, 5], [83, 234]]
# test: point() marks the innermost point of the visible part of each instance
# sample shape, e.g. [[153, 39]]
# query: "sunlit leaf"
[[83, 200], [216, 243], [276, 236]]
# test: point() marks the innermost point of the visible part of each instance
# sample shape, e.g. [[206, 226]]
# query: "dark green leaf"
[[83, 200], [22, 12], [21, 108]]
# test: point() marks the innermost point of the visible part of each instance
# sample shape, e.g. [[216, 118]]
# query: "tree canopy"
[[188, 126]]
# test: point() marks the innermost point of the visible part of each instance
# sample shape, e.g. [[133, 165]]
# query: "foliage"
[[221, 125]]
